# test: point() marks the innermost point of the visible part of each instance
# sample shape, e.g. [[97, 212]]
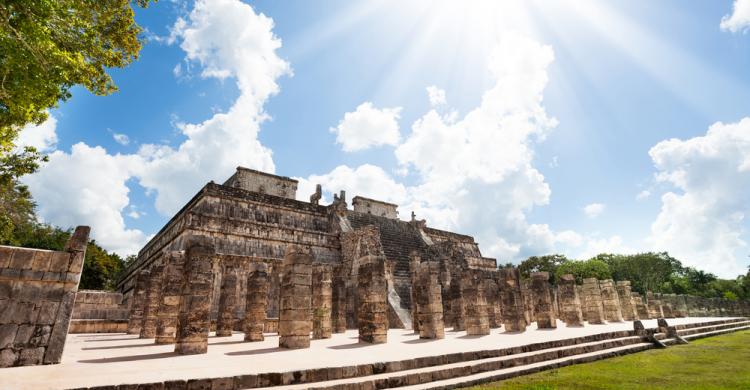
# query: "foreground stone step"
[[709, 323], [507, 373], [454, 370], [710, 328], [715, 333]]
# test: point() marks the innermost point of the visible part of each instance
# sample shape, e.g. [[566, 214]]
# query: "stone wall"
[[37, 295], [375, 207], [96, 311], [257, 181]]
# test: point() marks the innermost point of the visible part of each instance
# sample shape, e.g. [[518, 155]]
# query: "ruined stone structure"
[[428, 301], [654, 306], [138, 304], [254, 216], [150, 311], [321, 301], [570, 304], [472, 288], [193, 320], [227, 303], [512, 301], [640, 306], [627, 307], [99, 312], [541, 290], [593, 301], [295, 319], [257, 296], [610, 301], [372, 315], [37, 293], [171, 296]]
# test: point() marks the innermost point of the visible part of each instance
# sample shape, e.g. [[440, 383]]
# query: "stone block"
[[7, 335], [31, 356], [193, 322], [8, 358], [22, 259], [541, 292], [41, 261], [59, 262]]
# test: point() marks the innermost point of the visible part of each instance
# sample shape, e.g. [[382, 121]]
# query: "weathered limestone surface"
[[542, 296], [610, 301], [528, 301], [322, 297], [492, 293], [372, 299], [338, 307], [570, 305], [472, 287], [627, 307], [640, 306], [194, 320], [295, 319], [257, 298], [227, 303], [135, 322], [414, 264], [582, 297], [171, 295], [513, 308], [151, 308], [654, 306], [37, 293], [99, 305], [428, 300], [593, 301], [458, 303]]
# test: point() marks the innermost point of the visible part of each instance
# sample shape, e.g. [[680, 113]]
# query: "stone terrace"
[[111, 359]]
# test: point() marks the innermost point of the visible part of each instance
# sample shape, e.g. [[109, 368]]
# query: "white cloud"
[[228, 40], [366, 180], [43, 137], [436, 96], [177, 70], [595, 246], [702, 223], [121, 139], [739, 21], [366, 127], [593, 210], [643, 195], [88, 187]]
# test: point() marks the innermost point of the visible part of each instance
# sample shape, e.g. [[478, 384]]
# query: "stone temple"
[[254, 217], [248, 287]]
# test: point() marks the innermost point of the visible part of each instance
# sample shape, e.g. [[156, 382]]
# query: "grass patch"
[[719, 362]]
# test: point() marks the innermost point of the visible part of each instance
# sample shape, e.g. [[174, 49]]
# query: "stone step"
[[710, 328], [460, 369], [715, 332], [511, 372], [718, 322]]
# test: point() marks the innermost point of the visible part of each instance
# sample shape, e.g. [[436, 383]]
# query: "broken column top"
[[262, 182], [375, 207]]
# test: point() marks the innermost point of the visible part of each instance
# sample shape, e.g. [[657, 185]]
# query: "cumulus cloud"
[[739, 20], [366, 180], [228, 40], [43, 137], [366, 127], [643, 195], [436, 96], [701, 222], [88, 187], [593, 210]]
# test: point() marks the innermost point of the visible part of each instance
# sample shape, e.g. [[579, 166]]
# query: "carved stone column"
[[338, 307], [475, 302], [169, 302], [372, 297], [295, 322], [610, 301], [570, 304], [227, 303], [654, 306], [322, 301], [542, 297], [256, 302], [138, 305], [458, 304], [428, 301], [593, 298], [640, 306], [151, 308], [193, 322], [413, 266], [629, 312], [513, 308]]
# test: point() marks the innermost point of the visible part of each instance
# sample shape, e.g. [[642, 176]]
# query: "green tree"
[[645, 271], [583, 269], [547, 263], [49, 46]]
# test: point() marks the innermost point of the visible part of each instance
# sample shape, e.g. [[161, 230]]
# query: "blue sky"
[[546, 127]]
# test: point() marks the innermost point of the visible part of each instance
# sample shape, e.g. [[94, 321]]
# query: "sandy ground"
[[115, 358]]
